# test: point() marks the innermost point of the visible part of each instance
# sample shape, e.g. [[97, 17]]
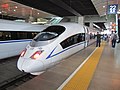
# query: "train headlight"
[[36, 55], [23, 53]]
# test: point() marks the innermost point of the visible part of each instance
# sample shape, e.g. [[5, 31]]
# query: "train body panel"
[[6, 25], [51, 46], [12, 47], [27, 64], [15, 36]]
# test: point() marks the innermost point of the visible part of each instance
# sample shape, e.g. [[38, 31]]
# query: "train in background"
[[53, 44], [14, 36]]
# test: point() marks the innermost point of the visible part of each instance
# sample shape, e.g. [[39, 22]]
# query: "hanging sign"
[[112, 9]]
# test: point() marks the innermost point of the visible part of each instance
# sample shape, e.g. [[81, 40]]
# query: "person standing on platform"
[[98, 39], [113, 38]]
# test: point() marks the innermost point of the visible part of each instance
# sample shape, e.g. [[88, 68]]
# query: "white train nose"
[[19, 63], [30, 66]]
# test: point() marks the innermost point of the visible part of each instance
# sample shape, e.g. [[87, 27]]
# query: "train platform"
[[94, 68]]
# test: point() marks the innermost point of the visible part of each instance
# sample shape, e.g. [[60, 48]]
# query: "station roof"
[[59, 7], [62, 7], [101, 5]]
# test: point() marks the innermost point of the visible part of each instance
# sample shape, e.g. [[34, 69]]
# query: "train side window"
[[6, 36], [22, 35], [73, 40], [1, 35], [80, 37], [34, 34], [15, 35], [83, 36], [29, 35]]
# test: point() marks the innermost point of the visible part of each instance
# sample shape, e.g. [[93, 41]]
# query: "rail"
[[14, 82]]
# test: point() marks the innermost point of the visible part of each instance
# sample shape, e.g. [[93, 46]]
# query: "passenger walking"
[[98, 39], [113, 38]]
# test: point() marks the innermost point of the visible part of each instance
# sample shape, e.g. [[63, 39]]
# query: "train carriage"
[[52, 45]]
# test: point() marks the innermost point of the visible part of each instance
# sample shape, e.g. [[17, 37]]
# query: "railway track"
[[14, 82], [10, 76], [7, 60]]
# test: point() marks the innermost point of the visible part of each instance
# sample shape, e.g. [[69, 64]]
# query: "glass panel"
[[1, 35], [73, 40], [56, 29], [43, 36]]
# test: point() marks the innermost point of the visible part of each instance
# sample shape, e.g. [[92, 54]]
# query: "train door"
[[85, 43]]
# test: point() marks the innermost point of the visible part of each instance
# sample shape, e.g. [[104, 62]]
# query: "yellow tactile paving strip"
[[81, 80]]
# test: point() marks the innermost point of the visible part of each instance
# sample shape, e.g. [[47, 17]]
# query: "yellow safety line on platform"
[[81, 80]]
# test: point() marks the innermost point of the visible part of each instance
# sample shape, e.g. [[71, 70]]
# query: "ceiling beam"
[[61, 4], [95, 18]]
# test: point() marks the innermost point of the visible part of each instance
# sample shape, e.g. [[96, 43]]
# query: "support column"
[[81, 20], [116, 22], [70, 19], [91, 25], [119, 28]]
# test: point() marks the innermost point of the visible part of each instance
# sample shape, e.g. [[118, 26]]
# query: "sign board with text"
[[112, 9]]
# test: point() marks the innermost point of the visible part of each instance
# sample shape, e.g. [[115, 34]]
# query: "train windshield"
[[47, 36], [43, 36], [56, 29]]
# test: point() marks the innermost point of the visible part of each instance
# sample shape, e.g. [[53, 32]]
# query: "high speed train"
[[50, 46], [14, 36]]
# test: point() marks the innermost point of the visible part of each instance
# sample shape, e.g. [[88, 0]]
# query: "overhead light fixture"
[[96, 26], [118, 11], [16, 7], [105, 13], [5, 5], [103, 6]]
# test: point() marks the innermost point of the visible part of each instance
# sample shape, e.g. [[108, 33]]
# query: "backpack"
[[115, 36]]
